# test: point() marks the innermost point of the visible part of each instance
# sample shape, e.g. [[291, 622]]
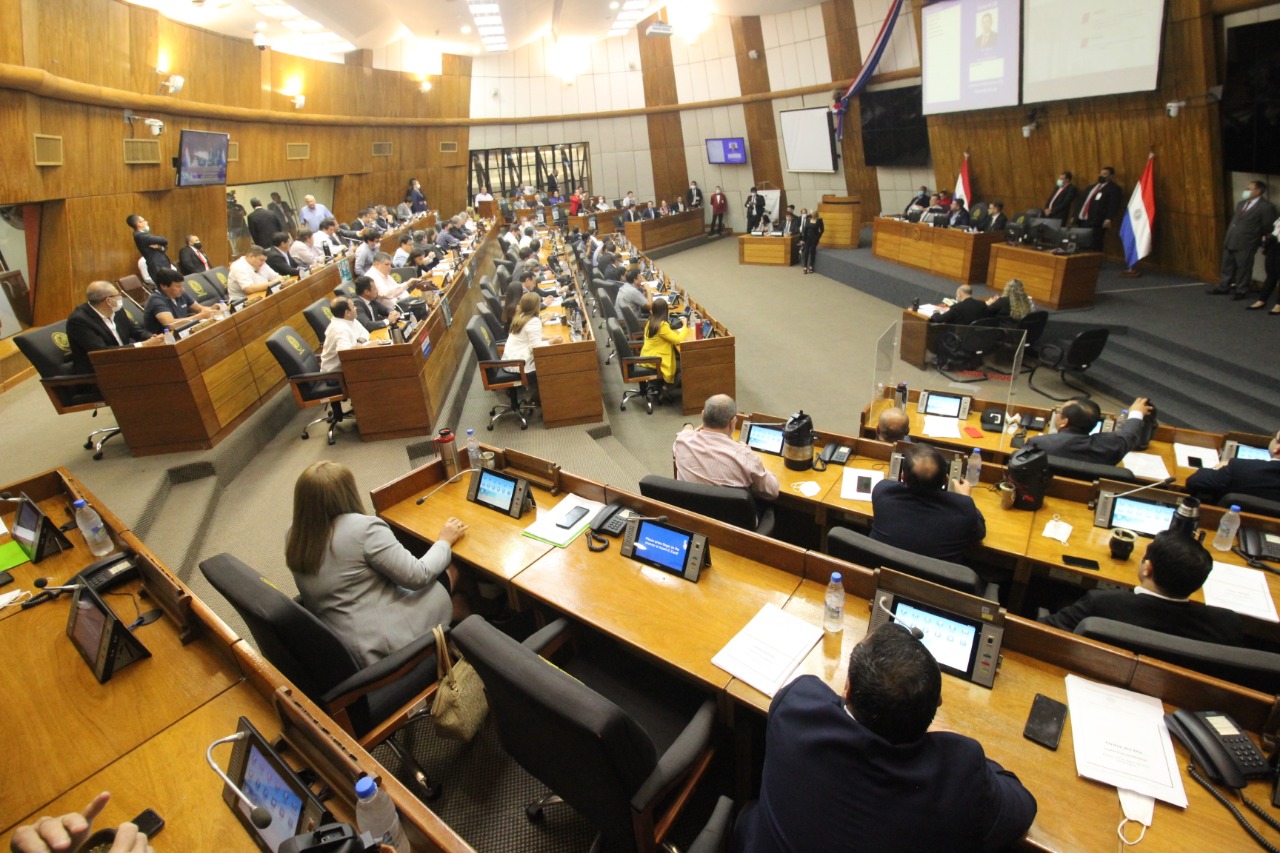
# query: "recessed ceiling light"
[[631, 15], [635, 4], [614, 5], [488, 20], [489, 31], [485, 9], [465, 29]]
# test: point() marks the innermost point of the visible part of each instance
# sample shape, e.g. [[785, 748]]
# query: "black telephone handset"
[[110, 571], [611, 520], [1218, 746]]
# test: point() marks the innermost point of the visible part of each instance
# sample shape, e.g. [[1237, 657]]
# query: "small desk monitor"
[[1142, 515], [944, 405], [268, 782], [765, 438], [664, 547], [502, 492], [100, 637], [1244, 451], [35, 532]]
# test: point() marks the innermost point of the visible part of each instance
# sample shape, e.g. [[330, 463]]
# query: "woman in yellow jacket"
[[660, 340]]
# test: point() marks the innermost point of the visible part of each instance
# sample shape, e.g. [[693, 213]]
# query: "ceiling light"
[[298, 101], [173, 85], [466, 29], [635, 4], [425, 87], [631, 15], [488, 20], [305, 25], [489, 31], [485, 9]]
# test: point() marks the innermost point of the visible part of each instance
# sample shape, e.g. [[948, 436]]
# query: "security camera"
[[1172, 108], [156, 125], [1027, 129], [260, 41]]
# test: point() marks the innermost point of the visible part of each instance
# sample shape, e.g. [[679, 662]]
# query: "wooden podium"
[[842, 219]]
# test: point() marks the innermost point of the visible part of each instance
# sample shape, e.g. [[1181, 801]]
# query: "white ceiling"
[[325, 29]]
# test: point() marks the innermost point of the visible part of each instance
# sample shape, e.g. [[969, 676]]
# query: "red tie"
[[202, 258], [1084, 211], [1055, 195]]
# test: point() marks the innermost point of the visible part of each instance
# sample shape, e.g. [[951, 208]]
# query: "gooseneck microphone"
[[43, 583], [1165, 482], [915, 632], [261, 817]]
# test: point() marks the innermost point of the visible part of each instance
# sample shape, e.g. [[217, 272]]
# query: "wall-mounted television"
[[727, 152], [202, 159]]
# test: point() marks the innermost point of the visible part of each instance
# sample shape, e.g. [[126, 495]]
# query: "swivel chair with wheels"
[[319, 315], [497, 374], [1076, 355], [310, 386], [641, 369], [968, 347]]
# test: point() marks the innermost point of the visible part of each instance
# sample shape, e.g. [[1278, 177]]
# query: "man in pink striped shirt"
[[710, 456]]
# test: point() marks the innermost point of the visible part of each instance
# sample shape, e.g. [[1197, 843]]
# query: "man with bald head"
[[313, 213], [98, 323], [710, 456], [918, 514], [893, 426]]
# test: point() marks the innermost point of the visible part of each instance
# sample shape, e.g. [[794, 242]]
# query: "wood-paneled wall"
[[666, 134], [762, 130], [1084, 135], [845, 54]]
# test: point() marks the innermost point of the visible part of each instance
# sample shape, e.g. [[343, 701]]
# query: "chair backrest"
[[1249, 503], [576, 742], [605, 301], [197, 287], [135, 312], [319, 315], [49, 351], [629, 320], [1033, 324], [133, 286], [486, 289], [485, 348], [494, 304], [620, 342], [736, 506], [292, 352], [491, 321], [218, 275], [1249, 667], [854, 547], [403, 274], [1085, 349], [346, 289], [1062, 466], [288, 635]]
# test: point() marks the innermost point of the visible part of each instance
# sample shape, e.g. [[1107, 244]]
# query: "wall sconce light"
[[172, 85], [1030, 126], [425, 86], [298, 101], [1172, 108]]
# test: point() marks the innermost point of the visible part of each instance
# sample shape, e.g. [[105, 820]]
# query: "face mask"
[[198, 246], [1102, 179], [115, 304], [1060, 182], [1246, 194], [146, 230]]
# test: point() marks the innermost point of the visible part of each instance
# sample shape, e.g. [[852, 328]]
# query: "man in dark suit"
[[996, 220], [918, 514], [98, 323], [278, 257], [1102, 203], [811, 230], [152, 247], [958, 217], [634, 213], [964, 311], [693, 198], [1078, 419], [863, 771], [1253, 218], [649, 212], [263, 224], [371, 313], [1174, 567], [1259, 478], [788, 226], [755, 209], [192, 259], [1062, 200]]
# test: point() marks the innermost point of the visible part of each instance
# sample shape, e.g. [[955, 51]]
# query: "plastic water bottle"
[[1226, 535], [376, 815], [833, 610], [95, 532], [168, 336], [473, 449], [974, 472]]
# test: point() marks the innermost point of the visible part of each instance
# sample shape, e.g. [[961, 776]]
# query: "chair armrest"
[[630, 361], [679, 757], [74, 379], [543, 637], [515, 365], [712, 837], [385, 671], [1051, 355]]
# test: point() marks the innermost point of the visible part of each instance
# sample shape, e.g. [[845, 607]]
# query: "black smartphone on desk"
[[1045, 722]]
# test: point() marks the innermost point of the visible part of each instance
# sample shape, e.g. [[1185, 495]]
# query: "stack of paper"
[[546, 528], [936, 426], [1148, 466], [1240, 589], [1190, 456], [767, 651]]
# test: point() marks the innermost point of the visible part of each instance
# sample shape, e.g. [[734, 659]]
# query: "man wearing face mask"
[[98, 323], [693, 198], [919, 203], [1101, 203], [719, 204], [1062, 200], [192, 258], [1253, 218]]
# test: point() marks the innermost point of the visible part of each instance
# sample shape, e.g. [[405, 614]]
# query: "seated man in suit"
[[964, 311], [1174, 567], [191, 259], [996, 220], [709, 454], [788, 225], [170, 305], [864, 772], [957, 217], [278, 256], [1259, 478], [1078, 418], [98, 323], [649, 212], [342, 333], [893, 425], [370, 312], [918, 514]]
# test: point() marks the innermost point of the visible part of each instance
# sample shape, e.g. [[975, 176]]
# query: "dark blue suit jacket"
[[1256, 477], [1105, 448], [832, 784], [1189, 619], [940, 524]]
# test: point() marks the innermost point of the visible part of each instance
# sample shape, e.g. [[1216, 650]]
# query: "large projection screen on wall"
[[808, 140], [1086, 48], [970, 55]]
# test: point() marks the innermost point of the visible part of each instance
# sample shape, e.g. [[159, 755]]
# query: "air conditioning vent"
[[448, 148], [233, 152], [142, 152], [297, 151], [382, 149], [48, 150]]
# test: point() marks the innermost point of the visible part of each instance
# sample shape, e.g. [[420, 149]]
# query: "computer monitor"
[[502, 492], [943, 404], [663, 546], [257, 770], [766, 438], [1143, 514], [99, 636]]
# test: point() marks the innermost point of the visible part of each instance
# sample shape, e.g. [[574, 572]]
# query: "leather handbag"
[[460, 706]]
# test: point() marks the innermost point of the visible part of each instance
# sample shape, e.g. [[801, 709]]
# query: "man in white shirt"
[[389, 290], [484, 195], [368, 248], [630, 199], [304, 250], [710, 456], [401, 257], [328, 235], [343, 333], [250, 274], [313, 213]]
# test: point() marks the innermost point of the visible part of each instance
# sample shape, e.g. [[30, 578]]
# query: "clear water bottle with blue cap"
[[833, 606]]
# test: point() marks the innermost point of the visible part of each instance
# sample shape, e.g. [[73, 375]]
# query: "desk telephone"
[[1218, 746], [109, 572], [612, 520], [1259, 545]]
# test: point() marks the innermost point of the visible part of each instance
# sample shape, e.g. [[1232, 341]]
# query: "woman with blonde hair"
[[525, 333], [660, 340], [353, 573], [1012, 304]]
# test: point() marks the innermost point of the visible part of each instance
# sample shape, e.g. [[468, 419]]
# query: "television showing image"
[[727, 152], [202, 159]]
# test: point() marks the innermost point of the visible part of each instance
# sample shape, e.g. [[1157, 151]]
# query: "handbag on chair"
[[459, 707]]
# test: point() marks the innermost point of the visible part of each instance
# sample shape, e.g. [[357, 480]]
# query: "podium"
[[842, 219]]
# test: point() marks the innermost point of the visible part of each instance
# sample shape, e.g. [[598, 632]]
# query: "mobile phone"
[[973, 432], [5, 578], [1196, 461], [1081, 562], [1045, 722], [575, 515], [149, 823]]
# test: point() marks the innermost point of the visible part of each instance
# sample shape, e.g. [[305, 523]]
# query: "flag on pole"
[[962, 182], [1140, 216], [868, 67]]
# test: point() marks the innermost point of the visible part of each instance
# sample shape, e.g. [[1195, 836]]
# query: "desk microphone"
[[43, 583], [8, 497], [261, 817], [1165, 482], [915, 632]]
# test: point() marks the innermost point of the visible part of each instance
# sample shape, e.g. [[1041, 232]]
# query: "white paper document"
[[929, 310], [767, 651], [1204, 457], [1148, 466], [1241, 589], [547, 529], [936, 426], [857, 483], [1120, 739]]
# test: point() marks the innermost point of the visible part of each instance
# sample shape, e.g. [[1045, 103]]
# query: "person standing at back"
[[1252, 221], [719, 204], [811, 232], [151, 247]]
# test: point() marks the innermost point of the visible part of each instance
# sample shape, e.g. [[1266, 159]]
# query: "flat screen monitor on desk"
[[944, 405], [270, 784], [765, 438], [664, 547], [1244, 451], [1143, 514], [99, 636], [508, 495]]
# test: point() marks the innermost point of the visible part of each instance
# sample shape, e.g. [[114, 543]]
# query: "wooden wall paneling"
[[11, 47], [666, 135], [762, 129], [55, 301], [845, 55], [17, 158]]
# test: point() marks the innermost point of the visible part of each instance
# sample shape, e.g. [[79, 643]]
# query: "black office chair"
[[635, 368], [370, 703], [1076, 355], [1252, 668], [319, 315], [217, 276], [497, 374], [198, 288], [494, 325], [1248, 503], [621, 744], [310, 386], [736, 506], [1074, 469], [345, 289], [402, 274], [49, 351], [853, 547], [966, 348], [1032, 325], [604, 303], [502, 277]]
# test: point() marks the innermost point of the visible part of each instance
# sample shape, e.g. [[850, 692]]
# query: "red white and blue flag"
[[868, 67], [1140, 216]]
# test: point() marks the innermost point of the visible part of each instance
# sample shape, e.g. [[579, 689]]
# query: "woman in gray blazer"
[[353, 573]]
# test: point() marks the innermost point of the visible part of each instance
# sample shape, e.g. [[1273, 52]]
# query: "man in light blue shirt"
[[313, 213]]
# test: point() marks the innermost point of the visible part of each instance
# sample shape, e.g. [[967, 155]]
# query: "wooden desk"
[[842, 221], [949, 252], [1057, 281], [652, 233], [770, 251], [918, 339], [569, 372]]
